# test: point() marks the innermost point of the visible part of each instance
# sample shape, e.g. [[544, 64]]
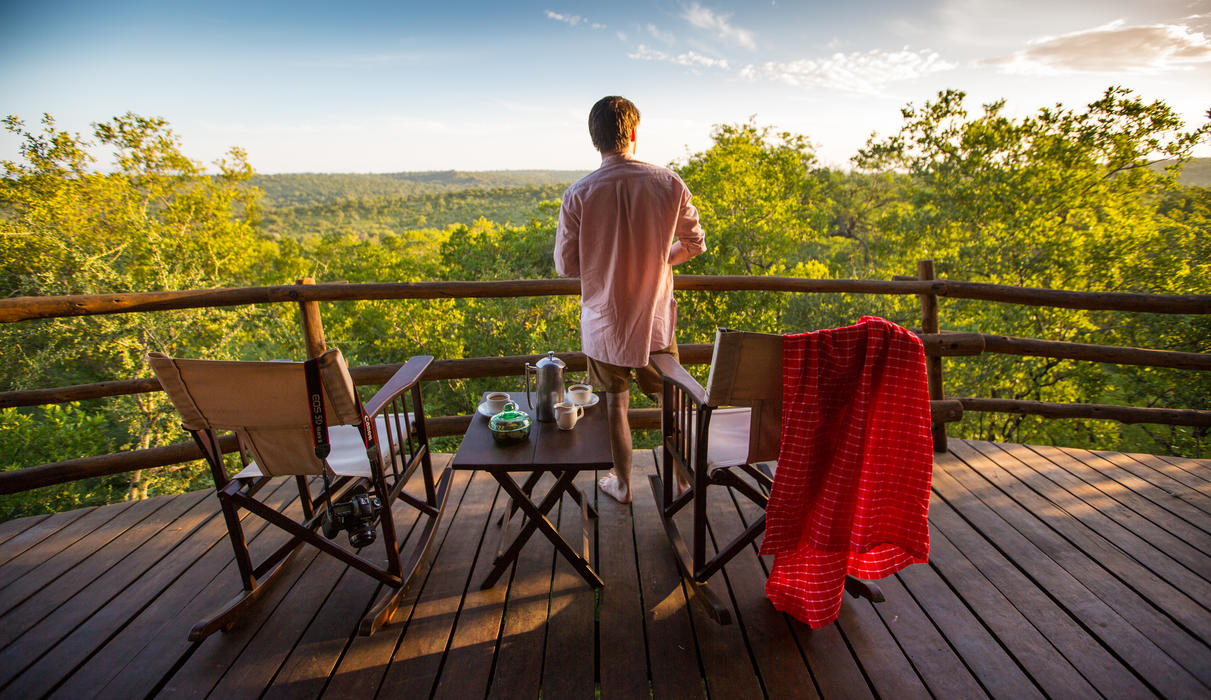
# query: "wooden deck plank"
[[1045, 577], [315, 655], [34, 535], [86, 560], [1096, 664], [159, 627], [890, 672], [1170, 493], [768, 632], [257, 665], [672, 652], [1045, 664], [1115, 510], [45, 548], [467, 672], [1169, 585], [417, 661], [1100, 566], [77, 595], [520, 654], [1194, 472], [360, 671], [96, 633], [1144, 582], [727, 664], [205, 663], [283, 647], [1164, 475], [830, 660], [624, 668], [11, 528], [1164, 674], [1139, 495], [569, 668], [981, 652], [930, 654]]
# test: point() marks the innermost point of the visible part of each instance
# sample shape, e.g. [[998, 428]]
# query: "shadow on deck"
[[1054, 572]]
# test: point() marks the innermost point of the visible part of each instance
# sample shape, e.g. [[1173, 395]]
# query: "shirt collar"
[[614, 158]]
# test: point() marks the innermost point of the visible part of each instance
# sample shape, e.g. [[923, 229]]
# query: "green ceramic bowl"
[[510, 426]]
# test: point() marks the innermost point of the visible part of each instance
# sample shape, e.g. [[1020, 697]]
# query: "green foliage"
[[1076, 199]]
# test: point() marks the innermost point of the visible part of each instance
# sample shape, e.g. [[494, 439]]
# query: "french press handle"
[[531, 368]]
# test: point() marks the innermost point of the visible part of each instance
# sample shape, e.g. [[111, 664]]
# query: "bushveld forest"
[[1077, 198]]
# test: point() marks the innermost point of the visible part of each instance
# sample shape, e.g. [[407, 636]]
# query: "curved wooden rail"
[[24, 308], [937, 344]]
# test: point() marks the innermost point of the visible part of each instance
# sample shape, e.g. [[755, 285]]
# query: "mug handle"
[[579, 411]]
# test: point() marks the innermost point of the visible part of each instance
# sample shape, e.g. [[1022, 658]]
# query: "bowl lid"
[[509, 419]]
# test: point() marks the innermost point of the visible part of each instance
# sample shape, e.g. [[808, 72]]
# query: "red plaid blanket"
[[851, 493]]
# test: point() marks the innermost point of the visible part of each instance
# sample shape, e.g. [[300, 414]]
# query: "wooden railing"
[[938, 344]]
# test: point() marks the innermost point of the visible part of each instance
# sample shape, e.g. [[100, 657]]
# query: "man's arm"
[[567, 239], [690, 239]]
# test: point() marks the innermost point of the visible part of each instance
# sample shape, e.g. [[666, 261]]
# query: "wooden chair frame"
[[393, 422], [746, 371]]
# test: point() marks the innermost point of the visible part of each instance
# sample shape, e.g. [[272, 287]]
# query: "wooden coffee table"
[[564, 453]]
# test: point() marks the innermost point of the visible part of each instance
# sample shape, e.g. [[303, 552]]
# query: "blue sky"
[[382, 87]]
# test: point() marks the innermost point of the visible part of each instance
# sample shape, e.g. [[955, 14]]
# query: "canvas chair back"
[[746, 370], [264, 403]]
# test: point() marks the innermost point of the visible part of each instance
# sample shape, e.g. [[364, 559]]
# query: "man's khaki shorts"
[[614, 379]]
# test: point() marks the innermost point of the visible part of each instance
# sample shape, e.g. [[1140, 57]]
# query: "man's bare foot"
[[611, 486]]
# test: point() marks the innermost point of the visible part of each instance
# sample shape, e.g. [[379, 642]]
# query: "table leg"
[[536, 519]]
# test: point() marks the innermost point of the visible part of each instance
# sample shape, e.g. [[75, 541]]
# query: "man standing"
[[622, 228]]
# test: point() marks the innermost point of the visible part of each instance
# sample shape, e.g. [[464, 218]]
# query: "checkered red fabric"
[[851, 494]]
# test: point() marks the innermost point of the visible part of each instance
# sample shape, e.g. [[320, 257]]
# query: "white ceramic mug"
[[496, 401], [580, 394], [566, 414]]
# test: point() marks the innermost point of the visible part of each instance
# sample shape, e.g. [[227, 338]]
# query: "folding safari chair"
[[725, 435], [305, 420]]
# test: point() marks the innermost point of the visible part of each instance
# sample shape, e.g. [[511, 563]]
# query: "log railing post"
[[313, 326], [933, 364]]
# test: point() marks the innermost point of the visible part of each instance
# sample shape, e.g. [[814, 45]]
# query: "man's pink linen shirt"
[[617, 226]]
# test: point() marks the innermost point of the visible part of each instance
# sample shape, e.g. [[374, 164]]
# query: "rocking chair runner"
[[716, 436], [269, 407]]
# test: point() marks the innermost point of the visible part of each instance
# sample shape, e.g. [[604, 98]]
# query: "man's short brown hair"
[[610, 123]]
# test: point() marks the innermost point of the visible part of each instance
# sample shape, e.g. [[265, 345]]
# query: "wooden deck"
[[1054, 572]]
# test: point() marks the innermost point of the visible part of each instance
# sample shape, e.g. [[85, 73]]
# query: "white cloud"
[[705, 18], [666, 37], [573, 20], [689, 58], [851, 72], [1111, 48]]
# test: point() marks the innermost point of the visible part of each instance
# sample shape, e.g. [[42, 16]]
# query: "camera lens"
[[362, 536]]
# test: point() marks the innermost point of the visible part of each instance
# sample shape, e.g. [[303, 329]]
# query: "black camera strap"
[[315, 404], [319, 423]]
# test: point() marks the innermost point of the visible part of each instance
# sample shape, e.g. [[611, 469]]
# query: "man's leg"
[[617, 484]]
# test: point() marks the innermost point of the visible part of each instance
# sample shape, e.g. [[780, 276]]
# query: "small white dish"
[[593, 399], [485, 410]]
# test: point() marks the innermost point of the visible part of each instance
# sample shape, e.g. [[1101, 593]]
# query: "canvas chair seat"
[[728, 438], [348, 457]]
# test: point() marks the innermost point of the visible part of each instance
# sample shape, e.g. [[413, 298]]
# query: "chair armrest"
[[401, 381], [672, 371]]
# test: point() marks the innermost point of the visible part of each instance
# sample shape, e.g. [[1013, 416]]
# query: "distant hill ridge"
[[312, 189], [1196, 172]]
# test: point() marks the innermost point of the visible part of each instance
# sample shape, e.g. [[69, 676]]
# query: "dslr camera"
[[357, 516]]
